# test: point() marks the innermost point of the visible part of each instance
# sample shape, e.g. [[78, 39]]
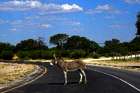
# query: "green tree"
[[135, 44], [81, 43], [138, 24], [6, 46], [41, 43], [111, 47], [6, 54], [59, 40], [31, 44], [6, 51], [123, 49]]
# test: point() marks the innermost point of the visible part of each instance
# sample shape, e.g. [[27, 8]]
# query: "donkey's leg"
[[65, 76], [81, 77], [83, 73], [51, 64]]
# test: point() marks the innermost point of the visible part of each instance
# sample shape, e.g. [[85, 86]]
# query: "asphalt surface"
[[52, 82]]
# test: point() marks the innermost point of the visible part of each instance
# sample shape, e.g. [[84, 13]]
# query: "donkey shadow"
[[69, 83]]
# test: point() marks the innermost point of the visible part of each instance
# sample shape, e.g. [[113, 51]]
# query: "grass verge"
[[120, 64], [10, 72]]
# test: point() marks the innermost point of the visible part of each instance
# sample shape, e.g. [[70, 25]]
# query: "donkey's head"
[[56, 60]]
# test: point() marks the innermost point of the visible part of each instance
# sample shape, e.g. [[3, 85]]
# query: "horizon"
[[98, 20]]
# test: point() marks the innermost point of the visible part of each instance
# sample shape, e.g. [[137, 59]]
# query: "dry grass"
[[128, 65], [11, 72]]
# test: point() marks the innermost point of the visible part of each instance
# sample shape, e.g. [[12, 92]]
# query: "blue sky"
[[98, 20]]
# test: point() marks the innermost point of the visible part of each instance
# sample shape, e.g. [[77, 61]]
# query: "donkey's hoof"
[[80, 82], [85, 82], [65, 84]]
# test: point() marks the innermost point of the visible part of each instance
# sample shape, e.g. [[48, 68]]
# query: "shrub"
[[65, 53], [94, 55], [23, 54], [47, 54], [77, 54], [36, 54], [6, 55]]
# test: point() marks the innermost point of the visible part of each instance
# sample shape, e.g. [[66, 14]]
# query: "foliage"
[[6, 46], [23, 54], [135, 44], [111, 47], [138, 24], [31, 44], [59, 40], [6, 55], [94, 55], [35, 54], [41, 54], [123, 49], [65, 53], [81, 43], [77, 54], [6, 51]]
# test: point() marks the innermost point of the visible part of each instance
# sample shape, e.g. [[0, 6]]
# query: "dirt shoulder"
[[127, 65]]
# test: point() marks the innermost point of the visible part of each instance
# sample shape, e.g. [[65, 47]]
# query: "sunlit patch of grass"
[[12, 71], [120, 64]]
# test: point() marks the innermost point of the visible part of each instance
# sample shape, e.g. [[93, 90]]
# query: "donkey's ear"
[[54, 55]]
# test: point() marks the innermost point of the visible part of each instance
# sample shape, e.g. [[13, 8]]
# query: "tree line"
[[70, 47]]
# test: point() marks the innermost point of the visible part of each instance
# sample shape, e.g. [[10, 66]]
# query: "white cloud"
[[2, 21], [45, 25], [74, 23], [132, 1], [18, 5], [73, 7], [13, 29], [106, 8], [109, 17], [118, 26], [31, 4], [115, 26]]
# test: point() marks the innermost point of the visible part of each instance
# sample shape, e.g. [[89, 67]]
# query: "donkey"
[[76, 65]]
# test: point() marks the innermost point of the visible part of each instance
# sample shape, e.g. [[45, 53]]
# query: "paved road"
[[52, 82]]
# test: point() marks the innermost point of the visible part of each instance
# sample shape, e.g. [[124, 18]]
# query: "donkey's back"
[[73, 65]]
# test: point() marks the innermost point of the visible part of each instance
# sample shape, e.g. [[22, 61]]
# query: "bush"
[[36, 54], [6, 55], [64, 53], [23, 54], [77, 54], [47, 54], [94, 55]]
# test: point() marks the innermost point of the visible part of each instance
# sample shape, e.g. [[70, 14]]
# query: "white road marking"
[[81, 77], [118, 78], [25, 83]]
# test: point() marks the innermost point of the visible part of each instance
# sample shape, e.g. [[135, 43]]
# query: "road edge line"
[[118, 78], [26, 82]]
